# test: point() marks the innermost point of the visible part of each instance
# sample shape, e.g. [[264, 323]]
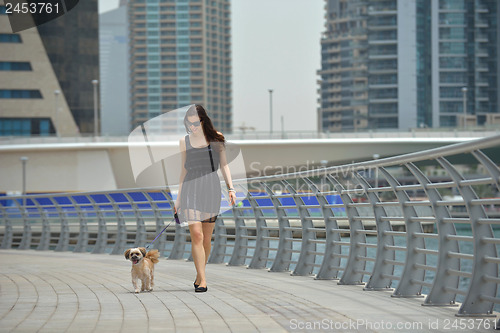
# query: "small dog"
[[143, 265]]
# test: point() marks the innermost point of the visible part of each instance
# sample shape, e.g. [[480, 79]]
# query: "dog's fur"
[[142, 267]]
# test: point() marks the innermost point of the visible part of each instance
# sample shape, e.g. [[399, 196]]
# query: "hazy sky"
[[276, 45]]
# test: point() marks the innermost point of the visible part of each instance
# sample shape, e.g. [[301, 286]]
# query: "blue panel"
[[137, 196], [63, 200], [100, 198], [81, 199], [118, 197], [44, 202]]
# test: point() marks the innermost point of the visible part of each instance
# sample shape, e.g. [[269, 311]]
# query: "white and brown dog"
[[143, 266]]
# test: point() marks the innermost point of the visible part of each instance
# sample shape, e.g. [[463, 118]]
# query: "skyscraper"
[[180, 54], [114, 71], [31, 99], [72, 44], [403, 64]]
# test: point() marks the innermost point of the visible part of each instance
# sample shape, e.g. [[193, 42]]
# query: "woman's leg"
[[208, 229], [197, 250]]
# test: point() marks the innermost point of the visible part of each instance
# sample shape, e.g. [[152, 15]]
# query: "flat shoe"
[[201, 289], [195, 285]]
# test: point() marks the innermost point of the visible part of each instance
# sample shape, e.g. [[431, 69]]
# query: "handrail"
[[387, 224]]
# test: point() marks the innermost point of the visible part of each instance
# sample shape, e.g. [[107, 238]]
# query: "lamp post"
[[464, 94], [271, 111], [376, 157], [95, 83], [24, 160], [56, 109]]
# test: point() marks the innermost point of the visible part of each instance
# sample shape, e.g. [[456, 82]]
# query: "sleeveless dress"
[[200, 191]]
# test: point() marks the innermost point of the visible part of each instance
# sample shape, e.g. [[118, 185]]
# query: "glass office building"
[[400, 64], [180, 54], [35, 92], [72, 44]]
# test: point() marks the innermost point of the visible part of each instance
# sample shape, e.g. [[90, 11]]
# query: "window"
[[10, 38], [18, 93], [15, 66], [26, 126]]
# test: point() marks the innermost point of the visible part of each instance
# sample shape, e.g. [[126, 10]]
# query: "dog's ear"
[[127, 253], [143, 251]]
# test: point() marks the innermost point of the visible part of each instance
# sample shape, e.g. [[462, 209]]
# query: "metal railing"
[[424, 223]]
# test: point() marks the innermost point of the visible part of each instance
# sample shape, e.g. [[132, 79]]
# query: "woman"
[[199, 198]]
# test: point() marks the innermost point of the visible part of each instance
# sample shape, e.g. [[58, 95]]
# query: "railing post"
[[241, 242], [63, 242], [305, 264], [140, 233], [406, 288], [219, 245], [102, 233], [491, 167], [328, 269], [162, 241], [261, 253], [7, 237], [479, 286], [44, 242], [26, 239], [180, 239], [382, 266], [284, 253], [438, 295], [121, 229], [354, 265], [83, 234]]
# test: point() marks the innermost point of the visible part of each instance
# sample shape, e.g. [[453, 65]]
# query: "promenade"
[[46, 291]]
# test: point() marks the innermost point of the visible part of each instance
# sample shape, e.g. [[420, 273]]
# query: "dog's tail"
[[153, 255]]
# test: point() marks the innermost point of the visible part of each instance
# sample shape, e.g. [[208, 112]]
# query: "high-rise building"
[[72, 44], [114, 71], [31, 98], [404, 64], [180, 54], [46, 74]]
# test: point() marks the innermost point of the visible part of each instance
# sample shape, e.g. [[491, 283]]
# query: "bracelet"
[[231, 190]]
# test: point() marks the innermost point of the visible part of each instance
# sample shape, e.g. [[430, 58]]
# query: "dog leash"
[[147, 246]]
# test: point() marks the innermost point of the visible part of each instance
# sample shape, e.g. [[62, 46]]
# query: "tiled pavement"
[[45, 291]]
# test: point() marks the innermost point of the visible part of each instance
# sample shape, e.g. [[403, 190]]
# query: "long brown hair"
[[211, 135]]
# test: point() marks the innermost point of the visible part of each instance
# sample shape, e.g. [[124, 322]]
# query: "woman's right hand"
[[176, 206]]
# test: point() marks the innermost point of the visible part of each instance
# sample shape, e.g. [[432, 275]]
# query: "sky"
[[275, 45]]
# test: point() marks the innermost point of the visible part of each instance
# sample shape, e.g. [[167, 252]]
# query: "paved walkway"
[[70, 292]]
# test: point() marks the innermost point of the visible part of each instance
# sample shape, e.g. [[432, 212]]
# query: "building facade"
[[31, 98], [180, 54], [114, 71], [400, 64], [46, 74]]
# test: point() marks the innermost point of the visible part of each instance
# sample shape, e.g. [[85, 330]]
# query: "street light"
[[95, 83], [376, 157], [464, 92], [271, 111], [56, 107], [24, 159]]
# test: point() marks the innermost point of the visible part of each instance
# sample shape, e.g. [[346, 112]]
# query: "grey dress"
[[201, 191]]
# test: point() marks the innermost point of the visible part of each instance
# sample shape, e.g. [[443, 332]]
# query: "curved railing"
[[422, 224]]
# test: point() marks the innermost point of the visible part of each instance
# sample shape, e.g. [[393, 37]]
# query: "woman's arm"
[[226, 173]]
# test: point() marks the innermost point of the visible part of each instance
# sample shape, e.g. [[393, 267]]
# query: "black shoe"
[[195, 285], [201, 289]]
